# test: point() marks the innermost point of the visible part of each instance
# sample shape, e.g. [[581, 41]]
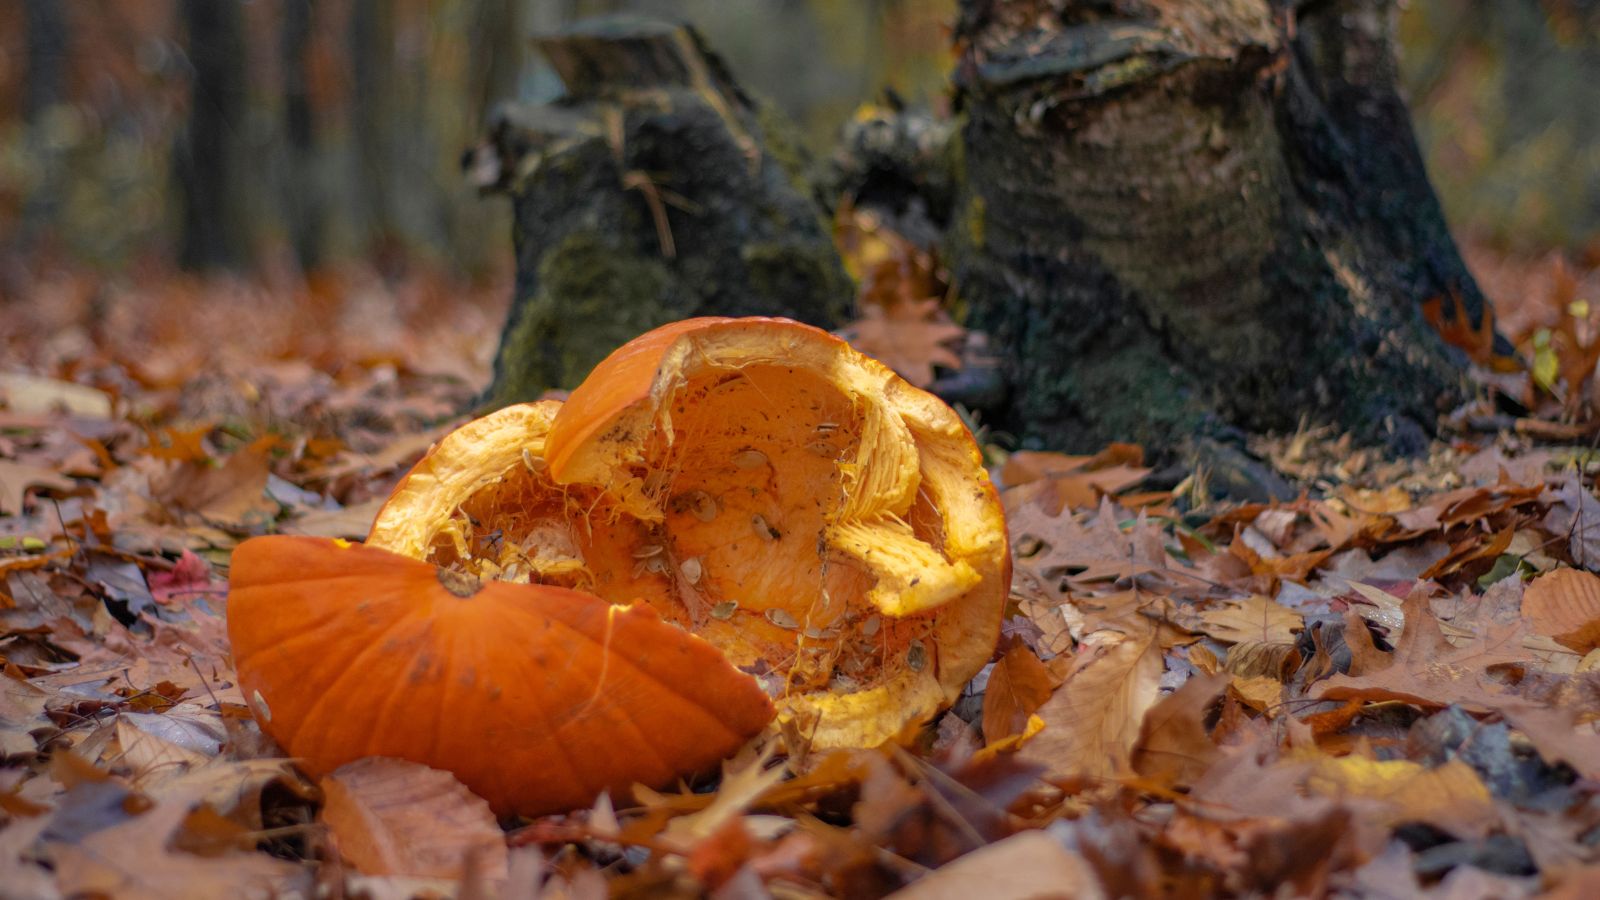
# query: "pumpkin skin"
[[825, 524], [536, 697]]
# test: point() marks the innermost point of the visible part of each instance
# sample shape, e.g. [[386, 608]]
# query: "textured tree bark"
[[1183, 216], [655, 190], [210, 159]]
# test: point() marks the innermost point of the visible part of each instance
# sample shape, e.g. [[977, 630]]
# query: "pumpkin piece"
[[797, 504], [536, 697], [481, 482]]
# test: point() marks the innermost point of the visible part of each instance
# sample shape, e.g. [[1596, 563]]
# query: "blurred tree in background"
[[289, 134]]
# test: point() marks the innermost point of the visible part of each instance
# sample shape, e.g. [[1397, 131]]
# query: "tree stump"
[[1183, 217], [654, 190]]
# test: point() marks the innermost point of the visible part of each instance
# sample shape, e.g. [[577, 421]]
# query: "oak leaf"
[[910, 338], [1427, 671]]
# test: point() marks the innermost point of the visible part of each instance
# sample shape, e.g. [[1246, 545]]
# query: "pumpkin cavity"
[[762, 547]]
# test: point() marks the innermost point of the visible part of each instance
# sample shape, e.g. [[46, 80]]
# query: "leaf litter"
[[1387, 686]]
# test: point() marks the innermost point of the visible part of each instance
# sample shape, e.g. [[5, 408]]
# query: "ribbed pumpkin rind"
[[537, 698]]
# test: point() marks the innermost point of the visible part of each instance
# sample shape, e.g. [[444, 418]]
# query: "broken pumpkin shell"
[[865, 585], [536, 697]]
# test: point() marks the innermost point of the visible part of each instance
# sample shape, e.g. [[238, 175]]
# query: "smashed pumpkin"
[[827, 527], [537, 698]]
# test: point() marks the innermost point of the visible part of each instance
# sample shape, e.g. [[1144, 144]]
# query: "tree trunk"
[[655, 190], [44, 90], [306, 212], [1185, 216], [209, 159]]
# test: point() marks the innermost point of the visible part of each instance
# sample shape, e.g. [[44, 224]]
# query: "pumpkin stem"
[[462, 584]]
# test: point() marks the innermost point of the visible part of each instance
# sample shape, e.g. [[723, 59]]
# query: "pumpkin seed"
[[763, 527], [698, 504], [724, 610], [782, 618], [261, 705], [648, 550], [691, 569], [917, 656], [816, 634], [749, 459], [870, 626]]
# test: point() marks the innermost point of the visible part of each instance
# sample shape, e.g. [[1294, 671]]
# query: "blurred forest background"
[[285, 136]]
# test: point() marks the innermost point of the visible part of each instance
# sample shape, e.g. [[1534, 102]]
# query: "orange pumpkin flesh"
[[827, 526], [536, 697]]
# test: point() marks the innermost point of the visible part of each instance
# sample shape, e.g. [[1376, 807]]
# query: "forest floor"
[[1386, 687]]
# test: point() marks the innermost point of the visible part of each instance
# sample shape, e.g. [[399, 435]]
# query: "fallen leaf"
[[16, 479], [392, 817], [1018, 685], [191, 576], [1256, 618], [1558, 736], [1427, 671], [21, 712], [131, 860], [26, 394], [1028, 865], [1174, 747], [1092, 721], [1449, 796], [910, 338], [1565, 605]]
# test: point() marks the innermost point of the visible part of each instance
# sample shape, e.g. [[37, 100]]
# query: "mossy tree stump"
[[654, 190], [1186, 216]]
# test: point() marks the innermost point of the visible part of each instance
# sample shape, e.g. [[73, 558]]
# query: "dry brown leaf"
[[1256, 618], [232, 494], [16, 479], [1050, 547], [1565, 605], [1022, 867], [910, 338], [1558, 736], [1018, 685], [25, 394], [1259, 692], [21, 712], [1449, 796], [392, 817], [1092, 721], [131, 860], [1174, 747], [1427, 671]]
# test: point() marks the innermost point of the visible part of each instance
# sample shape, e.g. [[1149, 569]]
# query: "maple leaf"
[[1427, 671], [910, 338]]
